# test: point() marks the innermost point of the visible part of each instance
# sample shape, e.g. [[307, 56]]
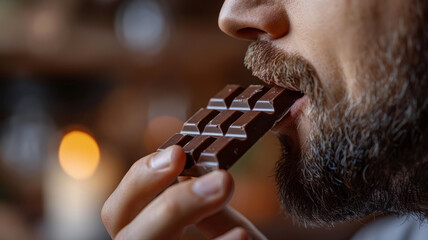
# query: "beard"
[[364, 154]]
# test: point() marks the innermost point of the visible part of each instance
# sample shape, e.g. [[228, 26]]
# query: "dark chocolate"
[[177, 139], [235, 118], [194, 148], [223, 99], [196, 124], [248, 98], [220, 124]]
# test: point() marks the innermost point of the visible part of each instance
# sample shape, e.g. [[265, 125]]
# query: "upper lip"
[[290, 88], [280, 84]]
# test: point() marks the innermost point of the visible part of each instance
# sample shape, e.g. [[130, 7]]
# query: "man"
[[354, 145]]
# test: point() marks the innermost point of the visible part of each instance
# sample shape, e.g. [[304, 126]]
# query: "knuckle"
[[137, 166], [135, 171], [169, 208], [106, 214]]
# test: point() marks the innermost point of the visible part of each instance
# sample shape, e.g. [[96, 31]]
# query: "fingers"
[[145, 179], [235, 234], [229, 219], [180, 205]]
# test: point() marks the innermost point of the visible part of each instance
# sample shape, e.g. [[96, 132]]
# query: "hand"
[[147, 205]]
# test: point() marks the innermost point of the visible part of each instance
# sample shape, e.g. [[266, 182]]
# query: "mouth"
[[297, 106], [295, 110], [287, 128]]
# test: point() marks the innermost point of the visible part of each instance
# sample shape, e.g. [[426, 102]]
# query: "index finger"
[[146, 178]]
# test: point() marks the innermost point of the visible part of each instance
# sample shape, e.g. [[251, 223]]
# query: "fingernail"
[[162, 159], [209, 184]]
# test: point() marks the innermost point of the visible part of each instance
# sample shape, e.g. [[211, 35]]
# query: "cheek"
[[333, 35], [318, 34]]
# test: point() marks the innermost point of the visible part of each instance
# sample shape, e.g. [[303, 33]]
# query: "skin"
[[145, 206], [330, 35]]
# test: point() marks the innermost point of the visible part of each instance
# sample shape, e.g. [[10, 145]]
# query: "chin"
[[347, 171]]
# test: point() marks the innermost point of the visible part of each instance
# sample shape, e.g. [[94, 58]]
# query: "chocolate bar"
[[215, 137]]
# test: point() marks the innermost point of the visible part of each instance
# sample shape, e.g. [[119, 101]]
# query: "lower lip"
[[292, 115], [297, 107]]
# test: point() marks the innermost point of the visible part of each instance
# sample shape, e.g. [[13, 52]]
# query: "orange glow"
[[79, 154]]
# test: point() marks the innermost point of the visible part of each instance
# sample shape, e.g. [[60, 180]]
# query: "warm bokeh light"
[[79, 154]]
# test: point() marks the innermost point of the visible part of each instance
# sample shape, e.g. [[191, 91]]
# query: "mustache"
[[274, 66]]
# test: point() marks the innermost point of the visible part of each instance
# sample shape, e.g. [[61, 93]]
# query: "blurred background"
[[90, 86]]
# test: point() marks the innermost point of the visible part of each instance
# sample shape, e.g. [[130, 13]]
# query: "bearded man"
[[354, 145]]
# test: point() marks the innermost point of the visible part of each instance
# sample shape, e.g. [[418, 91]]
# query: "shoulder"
[[394, 228]]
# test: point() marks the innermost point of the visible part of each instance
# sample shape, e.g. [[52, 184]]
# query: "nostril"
[[252, 19], [249, 33]]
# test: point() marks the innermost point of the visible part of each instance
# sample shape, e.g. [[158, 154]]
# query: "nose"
[[253, 19]]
